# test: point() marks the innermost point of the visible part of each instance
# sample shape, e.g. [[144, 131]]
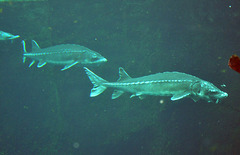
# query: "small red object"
[[234, 63]]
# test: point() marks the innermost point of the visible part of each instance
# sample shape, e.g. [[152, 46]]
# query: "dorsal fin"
[[35, 46], [123, 75]]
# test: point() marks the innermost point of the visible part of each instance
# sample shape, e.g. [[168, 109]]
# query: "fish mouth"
[[223, 95]]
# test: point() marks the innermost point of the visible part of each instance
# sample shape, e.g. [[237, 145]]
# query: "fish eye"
[[94, 56]]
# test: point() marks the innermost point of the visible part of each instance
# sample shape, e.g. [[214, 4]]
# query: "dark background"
[[47, 111]]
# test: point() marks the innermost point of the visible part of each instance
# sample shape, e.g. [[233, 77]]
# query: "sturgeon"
[[175, 84], [64, 54]]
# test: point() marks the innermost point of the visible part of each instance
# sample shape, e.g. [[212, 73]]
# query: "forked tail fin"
[[24, 51], [97, 82]]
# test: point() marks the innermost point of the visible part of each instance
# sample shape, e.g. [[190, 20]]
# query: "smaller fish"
[[234, 63], [64, 54], [7, 36]]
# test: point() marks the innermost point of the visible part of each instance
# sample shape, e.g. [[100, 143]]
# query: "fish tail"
[[24, 51], [97, 82]]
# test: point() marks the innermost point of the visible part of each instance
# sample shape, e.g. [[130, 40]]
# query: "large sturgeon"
[[175, 84]]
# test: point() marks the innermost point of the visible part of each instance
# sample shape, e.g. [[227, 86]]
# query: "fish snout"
[[220, 96], [223, 95], [104, 60], [217, 98]]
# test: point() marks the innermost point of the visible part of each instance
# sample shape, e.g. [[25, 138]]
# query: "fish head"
[[207, 91], [92, 57]]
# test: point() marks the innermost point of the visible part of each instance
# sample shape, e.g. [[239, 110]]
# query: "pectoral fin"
[[117, 93], [180, 96], [68, 66], [31, 63], [139, 95], [41, 64]]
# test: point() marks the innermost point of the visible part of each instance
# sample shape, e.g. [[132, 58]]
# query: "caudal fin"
[[35, 48], [24, 51], [97, 82]]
